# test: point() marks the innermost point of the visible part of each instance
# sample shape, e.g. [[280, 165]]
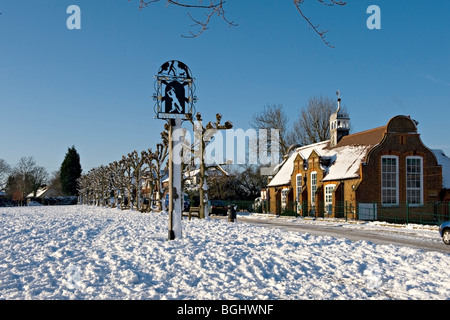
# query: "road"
[[396, 236]]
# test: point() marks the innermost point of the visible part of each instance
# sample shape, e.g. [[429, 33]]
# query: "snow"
[[444, 161], [283, 176], [85, 252], [345, 162]]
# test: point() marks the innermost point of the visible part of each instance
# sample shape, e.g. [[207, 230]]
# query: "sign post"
[[175, 100]]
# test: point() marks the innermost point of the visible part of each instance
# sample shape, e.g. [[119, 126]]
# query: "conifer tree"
[[70, 172]]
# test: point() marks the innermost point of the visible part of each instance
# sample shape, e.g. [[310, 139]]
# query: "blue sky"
[[92, 88]]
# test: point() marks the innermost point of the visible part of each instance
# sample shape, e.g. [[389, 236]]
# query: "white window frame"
[[313, 187], [298, 186], [389, 188], [328, 196], [284, 195], [420, 188]]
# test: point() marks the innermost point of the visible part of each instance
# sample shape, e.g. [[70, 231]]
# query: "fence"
[[242, 205], [429, 213]]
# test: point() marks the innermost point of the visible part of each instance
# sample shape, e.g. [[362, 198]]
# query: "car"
[[217, 207], [186, 202], [34, 204], [444, 231]]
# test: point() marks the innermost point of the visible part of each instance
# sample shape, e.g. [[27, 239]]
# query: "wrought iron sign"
[[175, 90]]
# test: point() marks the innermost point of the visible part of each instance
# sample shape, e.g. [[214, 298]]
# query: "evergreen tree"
[[70, 172]]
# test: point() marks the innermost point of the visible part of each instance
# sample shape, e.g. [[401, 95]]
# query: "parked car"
[[186, 202], [34, 204], [217, 207], [444, 231]]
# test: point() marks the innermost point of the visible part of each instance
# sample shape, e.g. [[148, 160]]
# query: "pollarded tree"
[[159, 169], [117, 181], [70, 172], [136, 162], [84, 187], [128, 182]]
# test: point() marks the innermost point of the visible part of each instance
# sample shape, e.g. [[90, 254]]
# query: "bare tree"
[[55, 181], [213, 8], [128, 182], [273, 117], [5, 169], [117, 182], [136, 162], [83, 189], [38, 178], [313, 123], [157, 169], [26, 177]]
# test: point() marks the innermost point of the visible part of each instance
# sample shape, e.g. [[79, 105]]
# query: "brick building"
[[384, 171]]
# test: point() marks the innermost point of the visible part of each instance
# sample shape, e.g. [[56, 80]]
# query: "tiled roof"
[[364, 138]]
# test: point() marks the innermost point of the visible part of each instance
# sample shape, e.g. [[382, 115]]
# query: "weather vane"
[[338, 93]]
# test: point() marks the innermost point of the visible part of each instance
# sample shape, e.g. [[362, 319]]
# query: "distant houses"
[[48, 195], [43, 192], [358, 175]]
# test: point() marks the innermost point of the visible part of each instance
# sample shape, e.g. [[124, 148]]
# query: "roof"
[[443, 161], [283, 177], [347, 162], [369, 137], [40, 192], [193, 173], [346, 157]]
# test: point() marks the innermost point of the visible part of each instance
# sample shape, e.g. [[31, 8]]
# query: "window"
[[389, 180], [329, 198], [298, 179], [313, 187], [284, 194], [414, 180]]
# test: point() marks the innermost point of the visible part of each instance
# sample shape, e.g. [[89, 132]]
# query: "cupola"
[[339, 124]]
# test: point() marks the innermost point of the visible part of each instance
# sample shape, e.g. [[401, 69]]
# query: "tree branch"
[[216, 7], [212, 7], [316, 29]]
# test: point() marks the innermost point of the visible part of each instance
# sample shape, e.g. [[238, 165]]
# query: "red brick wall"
[[401, 140]]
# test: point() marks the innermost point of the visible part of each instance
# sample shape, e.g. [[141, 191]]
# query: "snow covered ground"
[[82, 252]]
